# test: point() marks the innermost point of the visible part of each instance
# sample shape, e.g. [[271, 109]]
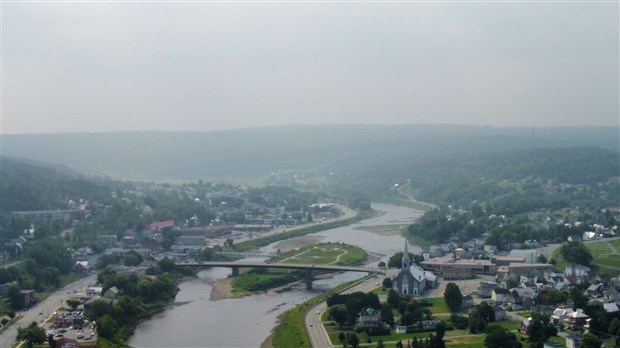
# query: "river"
[[196, 321]]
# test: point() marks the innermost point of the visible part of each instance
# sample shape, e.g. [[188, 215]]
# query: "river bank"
[[208, 322]]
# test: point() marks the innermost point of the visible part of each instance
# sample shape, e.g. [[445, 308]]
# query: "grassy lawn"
[[263, 279], [603, 258], [327, 253], [598, 248], [615, 244], [509, 325], [439, 305], [470, 342]]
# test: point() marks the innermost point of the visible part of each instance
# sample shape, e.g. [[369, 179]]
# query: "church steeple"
[[406, 262]]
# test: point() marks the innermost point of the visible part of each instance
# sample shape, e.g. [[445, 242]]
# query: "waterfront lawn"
[[258, 279], [324, 254]]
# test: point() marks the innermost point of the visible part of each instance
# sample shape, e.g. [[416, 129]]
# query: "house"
[[28, 296], [411, 279], [559, 314], [524, 325], [500, 313], [501, 295], [111, 292], [611, 295], [486, 288], [611, 308], [574, 238], [369, 317], [589, 235], [577, 320], [595, 290], [158, 226], [468, 302], [81, 267], [577, 270], [94, 291]]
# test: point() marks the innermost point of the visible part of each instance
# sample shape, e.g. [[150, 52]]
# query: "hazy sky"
[[112, 66]]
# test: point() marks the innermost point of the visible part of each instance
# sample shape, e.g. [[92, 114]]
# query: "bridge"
[[309, 268]]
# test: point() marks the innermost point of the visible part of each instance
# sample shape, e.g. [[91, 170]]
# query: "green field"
[[325, 254], [605, 257]]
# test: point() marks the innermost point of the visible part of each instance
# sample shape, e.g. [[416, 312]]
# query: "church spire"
[[406, 262]]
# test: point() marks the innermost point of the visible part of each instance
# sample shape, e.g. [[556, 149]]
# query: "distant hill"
[[28, 185], [260, 151], [349, 159]]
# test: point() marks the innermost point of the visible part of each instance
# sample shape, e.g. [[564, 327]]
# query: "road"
[[316, 332], [43, 310]]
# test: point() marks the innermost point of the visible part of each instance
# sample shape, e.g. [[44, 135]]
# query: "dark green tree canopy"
[[453, 297]]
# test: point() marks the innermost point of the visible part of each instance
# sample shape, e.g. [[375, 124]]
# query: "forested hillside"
[[29, 186]]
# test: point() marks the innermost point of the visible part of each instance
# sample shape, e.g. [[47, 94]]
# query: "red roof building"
[[156, 226]]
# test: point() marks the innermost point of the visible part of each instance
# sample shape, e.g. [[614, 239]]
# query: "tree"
[[614, 330], [396, 260], [342, 337], [73, 303], [339, 313], [497, 336], [166, 264], [16, 300], [132, 259], [576, 252], [107, 326], [540, 329], [591, 341], [453, 297], [437, 340], [380, 343], [353, 340], [31, 334], [387, 283], [386, 315], [579, 299], [542, 258], [393, 299]]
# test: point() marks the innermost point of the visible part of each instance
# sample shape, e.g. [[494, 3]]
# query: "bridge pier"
[[308, 279], [235, 271]]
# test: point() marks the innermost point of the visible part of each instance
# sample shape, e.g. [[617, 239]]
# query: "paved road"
[[43, 310]]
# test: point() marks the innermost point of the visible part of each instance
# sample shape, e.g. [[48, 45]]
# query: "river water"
[[195, 321]]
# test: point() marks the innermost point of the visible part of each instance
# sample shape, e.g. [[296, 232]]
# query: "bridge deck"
[[242, 264]]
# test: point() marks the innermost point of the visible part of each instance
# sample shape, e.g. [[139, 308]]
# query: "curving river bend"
[[196, 321]]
